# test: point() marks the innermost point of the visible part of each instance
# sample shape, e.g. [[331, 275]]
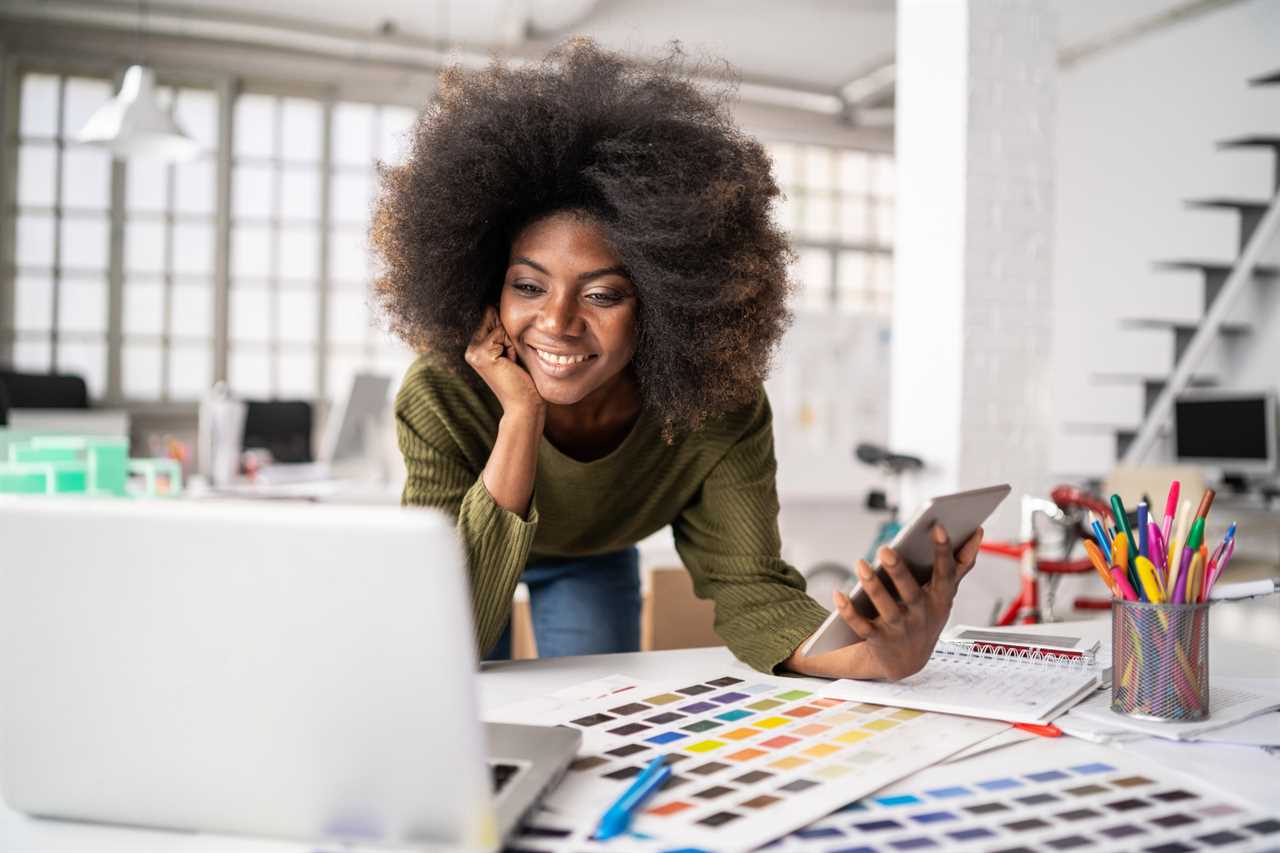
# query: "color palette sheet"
[[753, 758], [1092, 800]]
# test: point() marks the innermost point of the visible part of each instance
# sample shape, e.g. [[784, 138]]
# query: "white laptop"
[[282, 670]]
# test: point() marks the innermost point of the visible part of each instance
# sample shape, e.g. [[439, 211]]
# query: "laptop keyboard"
[[501, 774]]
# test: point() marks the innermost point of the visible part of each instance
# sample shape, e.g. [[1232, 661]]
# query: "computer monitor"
[[1231, 430], [365, 402]]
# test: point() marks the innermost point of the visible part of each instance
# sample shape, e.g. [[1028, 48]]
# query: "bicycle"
[[1066, 508]]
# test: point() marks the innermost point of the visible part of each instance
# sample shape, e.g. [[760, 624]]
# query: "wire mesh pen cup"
[[1160, 660]]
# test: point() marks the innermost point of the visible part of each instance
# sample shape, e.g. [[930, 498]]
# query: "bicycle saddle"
[[874, 454]]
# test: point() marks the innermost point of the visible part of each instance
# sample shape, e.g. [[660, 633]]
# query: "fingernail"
[[939, 535], [863, 571]]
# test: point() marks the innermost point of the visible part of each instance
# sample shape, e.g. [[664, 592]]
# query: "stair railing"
[[1206, 334]]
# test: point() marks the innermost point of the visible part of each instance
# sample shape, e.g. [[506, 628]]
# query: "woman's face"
[[569, 307]]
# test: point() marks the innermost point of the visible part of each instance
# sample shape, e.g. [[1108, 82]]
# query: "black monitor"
[[1234, 431]]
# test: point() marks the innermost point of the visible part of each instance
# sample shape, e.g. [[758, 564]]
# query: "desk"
[[503, 683]]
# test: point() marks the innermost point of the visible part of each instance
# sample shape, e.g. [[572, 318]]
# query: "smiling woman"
[[583, 252]]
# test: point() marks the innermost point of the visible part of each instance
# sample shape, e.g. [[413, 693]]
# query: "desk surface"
[[503, 683]]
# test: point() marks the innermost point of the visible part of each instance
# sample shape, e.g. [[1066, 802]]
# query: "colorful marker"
[[1142, 530]]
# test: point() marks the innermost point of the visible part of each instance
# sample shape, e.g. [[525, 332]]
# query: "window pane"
[[86, 178], [855, 172], [353, 134], [300, 130], [193, 249], [297, 374], [82, 98], [884, 223], [249, 373], [254, 130], [348, 256], [87, 359], [192, 310], [197, 113], [35, 241], [190, 370], [883, 273], [39, 108], [251, 190], [818, 215], [784, 163], [299, 253], [32, 356], [146, 180], [250, 313], [84, 244], [193, 187], [140, 371], [785, 212], [143, 308], [348, 318], [395, 127], [251, 252], [350, 198], [300, 195], [299, 313], [813, 272], [33, 304], [144, 247], [854, 219], [853, 281], [883, 180], [817, 167], [82, 306], [36, 165]]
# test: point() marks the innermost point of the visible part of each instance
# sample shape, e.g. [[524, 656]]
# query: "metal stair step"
[[1223, 268], [1181, 326], [1251, 211], [1270, 79], [1258, 140], [1197, 381]]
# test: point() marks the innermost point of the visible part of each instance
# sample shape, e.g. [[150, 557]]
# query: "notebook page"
[[1017, 691]]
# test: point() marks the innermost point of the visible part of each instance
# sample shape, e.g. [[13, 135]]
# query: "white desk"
[[507, 682]]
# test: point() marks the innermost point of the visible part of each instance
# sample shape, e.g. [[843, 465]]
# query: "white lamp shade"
[[132, 124]]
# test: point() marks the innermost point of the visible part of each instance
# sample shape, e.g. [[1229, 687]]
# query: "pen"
[[1099, 533], [1150, 581], [1205, 502], [1042, 729], [1245, 589], [1142, 531], [1100, 563], [1122, 583], [618, 816], [1180, 531], [1170, 508], [1156, 546]]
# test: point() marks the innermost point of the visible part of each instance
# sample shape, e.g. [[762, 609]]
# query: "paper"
[[1247, 769], [1014, 690], [753, 757], [1231, 700]]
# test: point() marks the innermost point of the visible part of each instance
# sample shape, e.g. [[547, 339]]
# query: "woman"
[[584, 253]]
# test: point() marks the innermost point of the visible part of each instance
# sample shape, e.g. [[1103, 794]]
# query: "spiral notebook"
[[1019, 685]]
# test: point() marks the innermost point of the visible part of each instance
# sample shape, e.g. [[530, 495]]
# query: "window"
[[62, 232], [170, 212], [838, 210]]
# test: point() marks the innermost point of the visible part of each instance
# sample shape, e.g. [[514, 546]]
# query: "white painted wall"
[[1136, 133]]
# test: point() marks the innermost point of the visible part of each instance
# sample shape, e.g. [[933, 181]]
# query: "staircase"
[[1224, 316]]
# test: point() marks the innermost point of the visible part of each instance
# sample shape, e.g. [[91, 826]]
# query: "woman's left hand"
[[898, 642]]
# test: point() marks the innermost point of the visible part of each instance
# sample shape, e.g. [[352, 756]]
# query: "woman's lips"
[[556, 364]]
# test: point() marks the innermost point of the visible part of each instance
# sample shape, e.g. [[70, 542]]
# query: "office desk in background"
[[506, 682]]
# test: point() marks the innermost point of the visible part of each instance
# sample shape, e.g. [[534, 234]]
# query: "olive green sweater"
[[715, 487]]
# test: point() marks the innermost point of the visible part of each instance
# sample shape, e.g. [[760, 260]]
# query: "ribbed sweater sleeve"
[[444, 473], [729, 541]]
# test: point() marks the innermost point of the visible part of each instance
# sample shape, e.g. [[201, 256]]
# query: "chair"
[[42, 391]]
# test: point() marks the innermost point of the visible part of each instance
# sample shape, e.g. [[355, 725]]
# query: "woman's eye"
[[604, 298], [526, 287]]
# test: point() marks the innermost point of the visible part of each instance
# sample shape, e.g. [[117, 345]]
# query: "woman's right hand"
[[492, 354]]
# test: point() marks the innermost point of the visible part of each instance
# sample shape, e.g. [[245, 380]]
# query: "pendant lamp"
[[133, 124]]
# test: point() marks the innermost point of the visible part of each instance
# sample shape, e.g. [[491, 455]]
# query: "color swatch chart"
[[751, 761], [1105, 802]]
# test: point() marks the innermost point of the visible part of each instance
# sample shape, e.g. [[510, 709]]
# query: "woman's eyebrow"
[[586, 276]]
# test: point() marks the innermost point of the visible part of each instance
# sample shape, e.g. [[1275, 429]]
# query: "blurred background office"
[[1025, 234]]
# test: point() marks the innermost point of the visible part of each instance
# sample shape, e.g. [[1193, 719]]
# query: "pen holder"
[[1160, 660]]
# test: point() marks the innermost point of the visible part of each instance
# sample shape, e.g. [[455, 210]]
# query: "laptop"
[[265, 669]]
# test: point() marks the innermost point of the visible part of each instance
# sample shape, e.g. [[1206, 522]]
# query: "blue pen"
[[1103, 542], [1142, 530], [618, 816]]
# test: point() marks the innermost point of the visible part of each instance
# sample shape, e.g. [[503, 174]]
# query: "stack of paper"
[[1232, 702]]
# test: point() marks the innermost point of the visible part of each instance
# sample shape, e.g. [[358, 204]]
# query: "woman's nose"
[[559, 315]]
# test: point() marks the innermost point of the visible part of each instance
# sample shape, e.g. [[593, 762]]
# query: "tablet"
[[959, 514]]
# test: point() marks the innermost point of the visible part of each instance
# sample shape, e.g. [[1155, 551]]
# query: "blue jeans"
[[581, 605]]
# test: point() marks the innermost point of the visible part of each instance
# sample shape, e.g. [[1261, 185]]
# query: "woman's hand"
[[492, 354], [899, 641]]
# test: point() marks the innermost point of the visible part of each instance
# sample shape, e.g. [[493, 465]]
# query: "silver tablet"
[[959, 514]]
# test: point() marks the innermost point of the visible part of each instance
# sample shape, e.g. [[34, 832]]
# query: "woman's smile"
[[561, 364]]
